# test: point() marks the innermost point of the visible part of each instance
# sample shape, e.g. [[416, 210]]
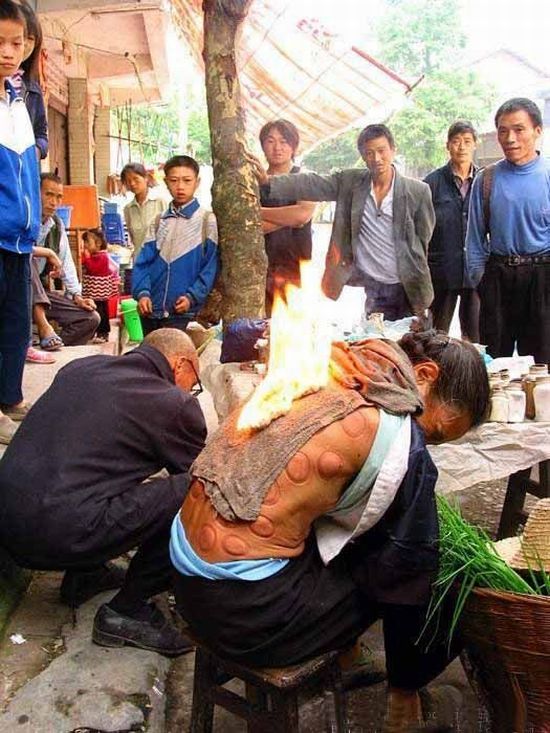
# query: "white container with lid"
[[541, 395], [536, 372], [499, 405], [516, 403]]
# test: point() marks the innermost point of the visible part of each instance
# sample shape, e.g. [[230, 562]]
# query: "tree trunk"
[[235, 191]]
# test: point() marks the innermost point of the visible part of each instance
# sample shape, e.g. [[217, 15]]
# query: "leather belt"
[[515, 260]]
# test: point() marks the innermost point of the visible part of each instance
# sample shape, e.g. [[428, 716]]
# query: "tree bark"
[[235, 191]]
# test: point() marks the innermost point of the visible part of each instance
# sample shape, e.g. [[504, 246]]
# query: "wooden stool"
[[271, 702]]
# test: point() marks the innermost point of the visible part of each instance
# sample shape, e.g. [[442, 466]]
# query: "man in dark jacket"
[[72, 482], [450, 186]]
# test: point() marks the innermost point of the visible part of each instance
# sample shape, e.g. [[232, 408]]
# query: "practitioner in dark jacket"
[[450, 186], [71, 484]]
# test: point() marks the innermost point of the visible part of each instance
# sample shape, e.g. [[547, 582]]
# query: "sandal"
[[38, 357], [7, 429], [51, 342], [17, 413]]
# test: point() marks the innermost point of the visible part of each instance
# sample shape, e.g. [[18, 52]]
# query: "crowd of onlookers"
[[107, 423], [481, 236]]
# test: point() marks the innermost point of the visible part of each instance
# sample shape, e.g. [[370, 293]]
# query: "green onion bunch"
[[468, 560]]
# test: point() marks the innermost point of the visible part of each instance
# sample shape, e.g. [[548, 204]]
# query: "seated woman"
[[347, 533]]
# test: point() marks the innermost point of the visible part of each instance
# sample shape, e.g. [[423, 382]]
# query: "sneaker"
[[113, 629], [78, 586], [35, 356], [7, 429]]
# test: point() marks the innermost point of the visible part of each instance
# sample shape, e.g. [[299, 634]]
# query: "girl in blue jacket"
[[19, 219]]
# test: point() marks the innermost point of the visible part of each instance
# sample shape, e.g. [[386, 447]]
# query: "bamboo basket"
[[507, 657]]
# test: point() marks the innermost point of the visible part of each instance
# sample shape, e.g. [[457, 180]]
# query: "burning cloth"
[[238, 468]]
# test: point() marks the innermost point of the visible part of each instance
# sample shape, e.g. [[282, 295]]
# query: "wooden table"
[[519, 451], [520, 484]]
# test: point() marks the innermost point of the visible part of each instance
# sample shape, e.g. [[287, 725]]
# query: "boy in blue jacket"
[[177, 265], [19, 219]]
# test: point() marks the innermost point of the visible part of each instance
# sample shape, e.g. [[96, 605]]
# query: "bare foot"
[[403, 711]]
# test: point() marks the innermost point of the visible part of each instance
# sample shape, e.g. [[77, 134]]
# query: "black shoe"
[[156, 634], [78, 586]]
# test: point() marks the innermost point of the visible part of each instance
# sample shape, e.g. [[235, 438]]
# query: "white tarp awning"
[[292, 67]]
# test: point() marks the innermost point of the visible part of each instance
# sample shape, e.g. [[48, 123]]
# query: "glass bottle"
[[541, 394], [516, 403], [536, 371], [499, 405]]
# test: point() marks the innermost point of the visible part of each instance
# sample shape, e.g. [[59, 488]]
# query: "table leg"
[[519, 485]]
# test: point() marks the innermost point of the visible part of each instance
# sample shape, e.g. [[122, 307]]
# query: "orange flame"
[[299, 355]]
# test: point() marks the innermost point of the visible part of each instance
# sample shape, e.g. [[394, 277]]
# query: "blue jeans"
[[391, 300], [14, 324]]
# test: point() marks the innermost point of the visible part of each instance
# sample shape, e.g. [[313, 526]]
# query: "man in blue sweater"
[[508, 239]]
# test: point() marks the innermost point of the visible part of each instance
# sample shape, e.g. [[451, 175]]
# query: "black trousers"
[[180, 322], [104, 328], [138, 518], [443, 308], [14, 324], [515, 309], [307, 609], [276, 281]]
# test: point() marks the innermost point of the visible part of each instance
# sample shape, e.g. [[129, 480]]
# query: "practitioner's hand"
[[257, 168], [182, 304], [145, 306]]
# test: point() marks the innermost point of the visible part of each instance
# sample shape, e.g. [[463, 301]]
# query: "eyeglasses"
[[197, 389]]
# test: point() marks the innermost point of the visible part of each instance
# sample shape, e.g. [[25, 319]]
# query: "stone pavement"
[[81, 685]]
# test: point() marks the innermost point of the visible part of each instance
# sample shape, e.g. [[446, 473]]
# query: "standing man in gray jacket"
[[382, 225]]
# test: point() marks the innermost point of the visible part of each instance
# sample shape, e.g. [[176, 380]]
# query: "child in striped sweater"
[[99, 278]]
